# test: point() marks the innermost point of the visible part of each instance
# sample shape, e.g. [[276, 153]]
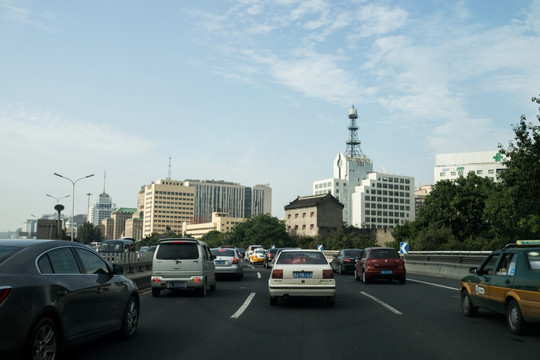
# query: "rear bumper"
[[193, 282], [327, 290]]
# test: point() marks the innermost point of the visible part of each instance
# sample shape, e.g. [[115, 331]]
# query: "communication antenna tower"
[[353, 144]]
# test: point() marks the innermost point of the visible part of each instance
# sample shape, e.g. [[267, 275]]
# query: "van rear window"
[[176, 251]]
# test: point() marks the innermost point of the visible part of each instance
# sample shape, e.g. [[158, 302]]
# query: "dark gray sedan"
[[55, 294]]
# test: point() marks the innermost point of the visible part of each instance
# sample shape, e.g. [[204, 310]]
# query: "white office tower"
[[370, 199], [102, 208]]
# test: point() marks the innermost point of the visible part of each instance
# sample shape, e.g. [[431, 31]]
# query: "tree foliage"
[[475, 213], [88, 232], [262, 230]]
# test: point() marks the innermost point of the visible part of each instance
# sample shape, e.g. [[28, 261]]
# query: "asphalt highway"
[[419, 320]]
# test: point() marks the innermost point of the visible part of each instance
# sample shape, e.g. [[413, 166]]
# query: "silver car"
[[228, 262], [57, 293]]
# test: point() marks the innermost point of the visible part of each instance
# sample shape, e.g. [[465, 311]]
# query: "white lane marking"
[[243, 308], [432, 284], [382, 303], [259, 275]]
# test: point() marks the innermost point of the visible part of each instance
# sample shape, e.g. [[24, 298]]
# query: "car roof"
[[182, 240]]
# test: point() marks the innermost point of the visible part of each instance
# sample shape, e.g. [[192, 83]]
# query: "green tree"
[[88, 232], [215, 238], [522, 174], [262, 230]]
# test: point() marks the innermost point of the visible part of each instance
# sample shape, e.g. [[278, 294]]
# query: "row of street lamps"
[[73, 182]]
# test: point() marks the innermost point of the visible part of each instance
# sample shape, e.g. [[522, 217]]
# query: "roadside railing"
[[132, 262]]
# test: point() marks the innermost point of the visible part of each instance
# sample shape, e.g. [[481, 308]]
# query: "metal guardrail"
[[453, 264]]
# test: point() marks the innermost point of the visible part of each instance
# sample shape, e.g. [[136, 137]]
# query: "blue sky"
[[252, 92]]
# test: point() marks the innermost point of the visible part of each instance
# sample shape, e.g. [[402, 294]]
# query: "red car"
[[380, 263]]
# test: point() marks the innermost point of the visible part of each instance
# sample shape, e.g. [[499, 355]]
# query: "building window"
[[442, 174], [303, 215], [312, 214]]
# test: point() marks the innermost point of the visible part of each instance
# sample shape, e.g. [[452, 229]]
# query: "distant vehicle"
[[269, 256], [301, 273], [117, 246], [69, 295], [345, 260], [95, 245], [146, 253], [249, 251], [380, 263], [183, 264], [228, 262], [257, 256], [507, 282]]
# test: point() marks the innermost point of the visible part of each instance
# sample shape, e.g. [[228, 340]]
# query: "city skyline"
[[251, 92]]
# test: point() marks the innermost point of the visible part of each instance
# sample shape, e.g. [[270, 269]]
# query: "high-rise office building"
[[236, 200], [166, 204], [371, 199]]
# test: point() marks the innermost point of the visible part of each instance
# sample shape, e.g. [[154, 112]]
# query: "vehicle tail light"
[[328, 274], [277, 274], [4, 293], [178, 242], [370, 263], [346, 260], [156, 280], [235, 261], [196, 279]]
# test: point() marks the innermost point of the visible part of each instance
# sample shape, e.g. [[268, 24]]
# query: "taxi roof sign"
[[528, 242]]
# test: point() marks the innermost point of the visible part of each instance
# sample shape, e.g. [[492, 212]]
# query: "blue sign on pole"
[[403, 247], [320, 247]]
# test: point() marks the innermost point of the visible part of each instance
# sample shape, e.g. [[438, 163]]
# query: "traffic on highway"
[[421, 319]]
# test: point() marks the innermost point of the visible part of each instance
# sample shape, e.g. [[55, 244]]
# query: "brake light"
[[156, 280], [328, 274], [346, 260], [4, 293], [369, 263], [277, 274], [235, 261], [177, 242]]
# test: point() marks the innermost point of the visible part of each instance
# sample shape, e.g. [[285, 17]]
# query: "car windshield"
[[302, 258], [173, 251], [7, 251], [222, 252], [384, 254], [352, 253]]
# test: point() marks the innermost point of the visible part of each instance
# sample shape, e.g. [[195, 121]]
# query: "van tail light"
[[4, 292], [277, 274], [235, 261], [346, 260], [328, 274]]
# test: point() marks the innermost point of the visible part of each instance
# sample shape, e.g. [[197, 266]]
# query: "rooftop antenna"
[[169, 174], [104, 178], [353, 144]]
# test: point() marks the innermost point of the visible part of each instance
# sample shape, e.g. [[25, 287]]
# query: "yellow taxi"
[[257, 256], [508, 281]]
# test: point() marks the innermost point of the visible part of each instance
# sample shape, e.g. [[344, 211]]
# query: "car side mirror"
[[118, 269], [473, 270]]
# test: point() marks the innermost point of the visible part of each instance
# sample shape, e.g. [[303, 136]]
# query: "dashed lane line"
[[244, 306], [397, 312]]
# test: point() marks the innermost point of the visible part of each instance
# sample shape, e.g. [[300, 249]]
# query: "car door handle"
[[62, 293]]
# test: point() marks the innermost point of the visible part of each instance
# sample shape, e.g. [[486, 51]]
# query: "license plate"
[[302, 275], [220, 262], [176, 285], [386, 272]]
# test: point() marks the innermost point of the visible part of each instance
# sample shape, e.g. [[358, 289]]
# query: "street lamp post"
[[73, 201], [58, 199]]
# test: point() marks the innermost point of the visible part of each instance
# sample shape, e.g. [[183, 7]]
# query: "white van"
[[183, 264]]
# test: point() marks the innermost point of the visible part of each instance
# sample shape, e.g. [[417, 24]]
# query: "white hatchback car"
[[301, 273]]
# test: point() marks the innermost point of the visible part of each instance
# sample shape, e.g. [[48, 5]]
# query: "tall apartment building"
[[482, 163], [166, 204], [226, 197], [370, 199]]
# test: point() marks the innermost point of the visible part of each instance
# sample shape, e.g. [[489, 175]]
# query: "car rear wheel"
[[402, 280], [466, 304], [130, 319], [213, 287], [202, 290], [356, 277], [155, 292], [365, 280], [516, 323], [44, 342]]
